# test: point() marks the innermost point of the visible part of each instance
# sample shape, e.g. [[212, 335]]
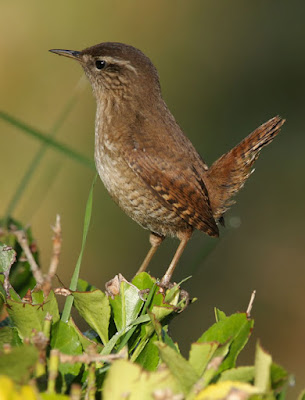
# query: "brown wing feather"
[[172, 176]]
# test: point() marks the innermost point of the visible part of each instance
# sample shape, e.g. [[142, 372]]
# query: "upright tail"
[[228, 174]]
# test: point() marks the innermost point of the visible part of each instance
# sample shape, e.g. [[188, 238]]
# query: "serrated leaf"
[[65, 339], [95, 309], [226, 390], [180, 368], [201, 354], [125, 377], [126, 305], [27, 317], [240, 374], [19, 363], [262, 375]]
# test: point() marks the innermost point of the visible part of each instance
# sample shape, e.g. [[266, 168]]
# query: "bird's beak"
[[67, 53]]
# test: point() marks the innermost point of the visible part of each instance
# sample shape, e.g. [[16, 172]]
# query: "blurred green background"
[[225, 68]]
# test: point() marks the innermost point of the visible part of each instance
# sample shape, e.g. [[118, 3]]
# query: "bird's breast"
[[130, 192]]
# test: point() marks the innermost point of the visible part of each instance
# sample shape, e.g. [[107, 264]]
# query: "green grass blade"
[[47, 140], [69, 301], [40, 153]]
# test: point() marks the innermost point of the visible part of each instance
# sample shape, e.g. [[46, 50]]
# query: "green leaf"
[[84, 286], [241, 374], [172, 294], [143, 281], [219, 315], [19, 363], [9, 335], [37, 297], [95, 309], [65, 339], [181, 369], [278, 376], [126, 305], [85, 340], [149, 357], [112, 342], [201, 354], [233, 331], [263, 362], [27, 317], [125, 377], [161, 332]]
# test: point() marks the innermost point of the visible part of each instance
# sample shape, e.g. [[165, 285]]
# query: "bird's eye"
[[100, 64]]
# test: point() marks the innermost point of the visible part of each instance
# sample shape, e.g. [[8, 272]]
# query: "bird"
[[146, 162]]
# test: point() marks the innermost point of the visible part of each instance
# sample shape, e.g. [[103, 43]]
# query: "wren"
[[147, 164]]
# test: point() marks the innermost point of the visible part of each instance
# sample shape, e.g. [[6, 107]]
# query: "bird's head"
[[117, 68]]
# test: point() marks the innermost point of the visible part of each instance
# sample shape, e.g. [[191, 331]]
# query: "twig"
[[90, 358], [249, 309], [20, 235], [57, 240]]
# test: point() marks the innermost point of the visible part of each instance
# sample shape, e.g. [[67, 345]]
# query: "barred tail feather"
[[228, 174]]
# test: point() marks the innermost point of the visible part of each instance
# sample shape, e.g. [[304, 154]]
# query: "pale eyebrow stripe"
[[119, 61]]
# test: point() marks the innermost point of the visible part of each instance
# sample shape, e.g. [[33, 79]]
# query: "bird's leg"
[[184, 238], [155, 241]]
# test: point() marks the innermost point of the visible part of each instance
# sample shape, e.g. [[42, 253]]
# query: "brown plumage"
[[147, 164]]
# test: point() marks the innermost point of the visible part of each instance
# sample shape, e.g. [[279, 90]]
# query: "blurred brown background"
[[225, 68]]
